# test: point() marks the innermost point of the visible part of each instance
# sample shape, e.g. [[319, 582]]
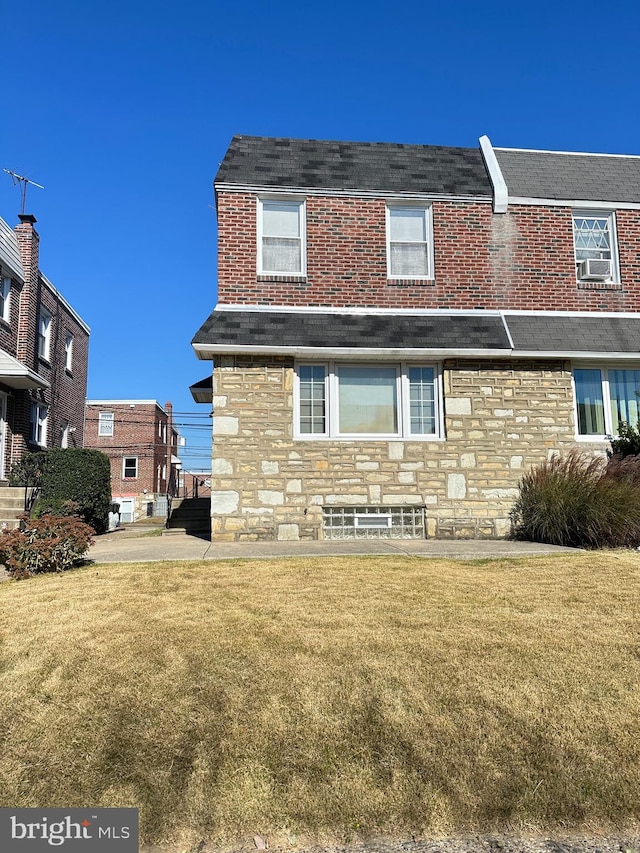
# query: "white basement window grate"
[[373, 522]]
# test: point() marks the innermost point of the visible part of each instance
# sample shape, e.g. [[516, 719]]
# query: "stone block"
[[270, 497], [220, 467], [224, 502], [269, 467], [294, 487], [225, 425], [288, 533], [458, 406], [396, 450], [456, 487]]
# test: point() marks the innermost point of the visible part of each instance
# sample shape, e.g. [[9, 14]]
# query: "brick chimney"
[[29, 246]]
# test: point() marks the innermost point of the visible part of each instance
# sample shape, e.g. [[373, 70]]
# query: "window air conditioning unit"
[[594, 269]]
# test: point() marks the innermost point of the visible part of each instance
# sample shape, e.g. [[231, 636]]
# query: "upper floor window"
[[39, 424], [367, 401], [105, 423], [595, 246], [409, 242], [68, 352], [281, 237], [604, 398], [44, 334], [5, 298], [130, 467]]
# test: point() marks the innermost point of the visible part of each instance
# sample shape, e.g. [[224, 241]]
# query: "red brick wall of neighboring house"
[[139, 430], [523, 259]]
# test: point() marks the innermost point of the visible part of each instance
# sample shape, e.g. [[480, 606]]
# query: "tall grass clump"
[[580, 500]]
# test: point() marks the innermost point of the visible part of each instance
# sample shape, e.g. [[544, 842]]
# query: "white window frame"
[[5, 299], [45, 321], [105, 424], [39, 423], [606, 396], [68, 352], [332, 390], [124, 467], [427, 211], [302, 220], [609, 215], [64, 433]]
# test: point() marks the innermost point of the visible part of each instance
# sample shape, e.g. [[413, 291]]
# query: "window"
[[68, 352], [604, 398], [64, 433], [594, 241], [130, 467], [336, 400], [44, 334], [409, 244], [5, 299], [281, 237], [105, 423], [39, 424]]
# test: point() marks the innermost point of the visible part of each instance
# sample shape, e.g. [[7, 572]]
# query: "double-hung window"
[[44, 334], [68, 352], [5, 299], [105, 423], [604, 398], [409, 242], [594, 241], [395, 400], [130, 467], [39, 424], [281, 237]]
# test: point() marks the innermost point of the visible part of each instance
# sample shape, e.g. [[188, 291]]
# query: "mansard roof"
[[570, 176], [277, 163]]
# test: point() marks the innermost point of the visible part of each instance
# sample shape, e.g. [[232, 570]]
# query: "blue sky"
[[123, 111]]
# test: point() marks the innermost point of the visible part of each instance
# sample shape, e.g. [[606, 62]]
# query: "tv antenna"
[[20, 179]]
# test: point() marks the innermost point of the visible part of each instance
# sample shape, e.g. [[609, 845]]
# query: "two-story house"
[[141, 441], [402, 331], [44, 348]]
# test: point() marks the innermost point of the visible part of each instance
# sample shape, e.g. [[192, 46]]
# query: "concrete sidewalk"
[[124, 546]]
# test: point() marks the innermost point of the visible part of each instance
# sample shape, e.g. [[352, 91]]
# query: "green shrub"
[[47, 544], [628, 441], [580, 500], [79, 475]]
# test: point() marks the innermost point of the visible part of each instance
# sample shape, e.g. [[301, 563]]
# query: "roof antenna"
[[20, 179]]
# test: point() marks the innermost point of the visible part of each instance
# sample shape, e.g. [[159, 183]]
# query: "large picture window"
[[335, 400], [604, 398], [281, 237]]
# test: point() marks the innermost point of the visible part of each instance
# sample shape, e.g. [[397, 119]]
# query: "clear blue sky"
[[123, 110]]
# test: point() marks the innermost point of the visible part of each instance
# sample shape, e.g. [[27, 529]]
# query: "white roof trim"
[[576, 202], [126, 403], [54, 290], [500, 192], [336, 191], [568, 153]]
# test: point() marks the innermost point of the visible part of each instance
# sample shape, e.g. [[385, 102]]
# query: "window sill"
[[598, 285], [369, 438], [44, 360], [68, 372], [411, 282], [283, 277]]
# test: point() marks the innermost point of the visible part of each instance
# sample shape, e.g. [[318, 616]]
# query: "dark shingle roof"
[[334, 330], [367, 166], [546, 333], [587, 177]]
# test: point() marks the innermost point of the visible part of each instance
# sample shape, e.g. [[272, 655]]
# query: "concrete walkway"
[[133, 546]]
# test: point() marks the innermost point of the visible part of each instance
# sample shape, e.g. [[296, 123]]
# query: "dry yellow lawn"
[[332, 697]]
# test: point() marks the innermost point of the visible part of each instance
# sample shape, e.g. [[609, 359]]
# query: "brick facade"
[[63, 399], [142, 430]]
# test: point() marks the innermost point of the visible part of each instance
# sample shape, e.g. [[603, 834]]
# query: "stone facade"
[[501, 417]]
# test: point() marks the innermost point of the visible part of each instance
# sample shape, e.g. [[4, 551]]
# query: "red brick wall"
[[520, 260], [135, 433]]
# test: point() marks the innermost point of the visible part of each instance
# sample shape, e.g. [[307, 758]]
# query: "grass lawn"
[[327, 698]]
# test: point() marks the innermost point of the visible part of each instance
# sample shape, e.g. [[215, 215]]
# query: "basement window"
[[373, 522]]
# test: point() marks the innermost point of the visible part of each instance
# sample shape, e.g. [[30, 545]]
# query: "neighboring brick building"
[[43, 353], [141, 442], [403, 330]]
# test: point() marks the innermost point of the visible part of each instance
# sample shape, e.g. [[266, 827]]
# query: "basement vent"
[[373, 522]]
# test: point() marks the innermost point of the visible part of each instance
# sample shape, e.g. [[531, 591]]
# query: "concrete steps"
[[11, 506], [189, 515]]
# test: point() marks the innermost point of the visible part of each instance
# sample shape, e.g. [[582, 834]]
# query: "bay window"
[[355, 400]]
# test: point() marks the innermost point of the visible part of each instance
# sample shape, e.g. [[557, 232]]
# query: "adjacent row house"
[[402, 331], [44, 347]]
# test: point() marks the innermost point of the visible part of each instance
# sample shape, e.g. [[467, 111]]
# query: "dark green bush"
[[77, 476], [628, 441], [580, 500]]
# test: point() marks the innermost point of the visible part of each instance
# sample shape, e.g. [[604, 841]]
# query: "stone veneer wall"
[[501, 417]]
